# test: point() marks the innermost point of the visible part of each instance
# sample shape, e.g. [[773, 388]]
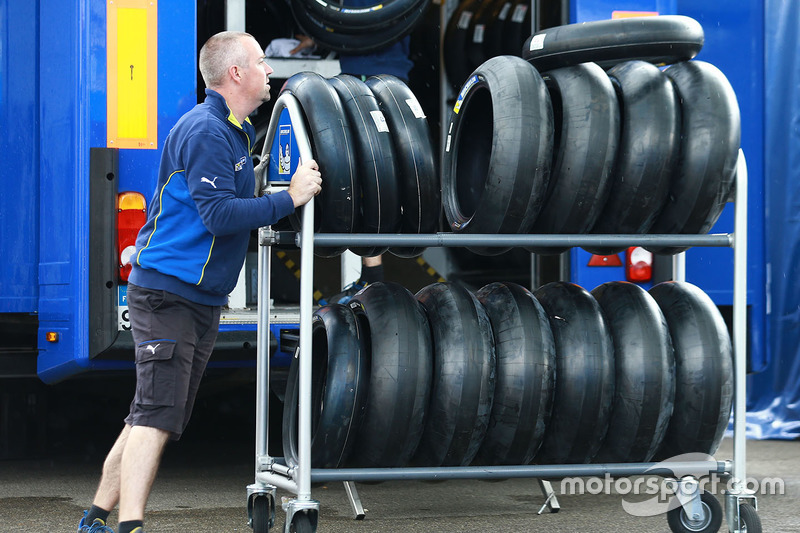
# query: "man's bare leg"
[[138, 468], [371, 261], [107, 495]]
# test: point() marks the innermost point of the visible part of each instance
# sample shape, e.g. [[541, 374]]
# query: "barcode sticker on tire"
[[519, 13], [537, 42], [463, 20], [380, 121], [504, 11], [415, 108], [477, 35]]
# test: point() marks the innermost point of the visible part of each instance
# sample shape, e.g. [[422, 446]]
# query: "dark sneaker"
[[97, 526], [346, 294]]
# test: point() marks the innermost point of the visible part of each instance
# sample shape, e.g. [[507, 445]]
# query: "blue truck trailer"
[[90, 89]]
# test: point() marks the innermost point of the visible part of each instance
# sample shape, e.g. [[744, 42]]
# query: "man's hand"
[[305, 43], [306, 183], [260, 172]]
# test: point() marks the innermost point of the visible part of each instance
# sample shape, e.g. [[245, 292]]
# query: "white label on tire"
[[477, 35], [380, 121], [463, 21], [537, 42], [519, 13], [504, 11], [413, 104]]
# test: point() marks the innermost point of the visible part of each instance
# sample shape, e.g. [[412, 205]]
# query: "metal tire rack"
[[302, 512]]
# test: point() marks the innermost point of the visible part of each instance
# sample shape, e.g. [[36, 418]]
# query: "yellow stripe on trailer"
[[132, 74]]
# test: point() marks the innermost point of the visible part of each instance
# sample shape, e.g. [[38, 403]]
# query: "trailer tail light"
[[638, 264], [612, 260], [131, 215]]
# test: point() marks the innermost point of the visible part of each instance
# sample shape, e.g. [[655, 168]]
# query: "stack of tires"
[[481, 29], [602, 141], [358, 30], [505, 376], [372, 142]]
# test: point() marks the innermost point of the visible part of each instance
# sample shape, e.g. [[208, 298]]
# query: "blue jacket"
[[199, 219]]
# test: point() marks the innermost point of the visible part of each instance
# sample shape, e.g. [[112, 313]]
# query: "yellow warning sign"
[[132, 73]]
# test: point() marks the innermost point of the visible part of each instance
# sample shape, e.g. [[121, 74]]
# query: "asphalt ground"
[[201, 486]]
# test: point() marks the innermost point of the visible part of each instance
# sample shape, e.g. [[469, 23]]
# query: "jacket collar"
[[216, 100]]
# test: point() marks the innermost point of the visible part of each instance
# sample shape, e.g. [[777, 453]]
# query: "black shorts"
[[174, 338]]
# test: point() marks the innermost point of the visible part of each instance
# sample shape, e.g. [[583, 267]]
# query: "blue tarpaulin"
[[774, 394]]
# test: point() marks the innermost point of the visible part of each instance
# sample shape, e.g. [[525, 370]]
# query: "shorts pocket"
[[155, 373]]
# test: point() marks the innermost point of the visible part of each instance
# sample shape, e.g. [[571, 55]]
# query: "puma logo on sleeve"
[[206, 180]]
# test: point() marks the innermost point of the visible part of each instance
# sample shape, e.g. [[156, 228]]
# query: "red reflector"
[[612, 260], [131, 216], [638, 264]]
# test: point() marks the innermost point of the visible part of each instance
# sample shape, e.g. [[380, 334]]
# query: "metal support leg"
[[354, 499], [299, 479], [688, 493], [551, 500], [739, 493]]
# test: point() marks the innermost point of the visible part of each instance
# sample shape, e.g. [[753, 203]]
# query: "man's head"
[[233, 64]]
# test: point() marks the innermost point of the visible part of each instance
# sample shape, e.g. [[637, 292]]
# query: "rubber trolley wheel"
[[644, 366], [703, 370], [680, 522], [463, 376], [647, 154], [526, 364], [586, 117], [301, 523], [401, 370], [377, 177], [263, 514], [584, 375], [749, 520], [661, 40], [496, 163], [339, 388], [710, 135], [420, 194], [332, 145]]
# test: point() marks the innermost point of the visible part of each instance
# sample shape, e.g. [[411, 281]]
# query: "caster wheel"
[[749, 520], [709, 522], [301, 523], [263, 514]]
